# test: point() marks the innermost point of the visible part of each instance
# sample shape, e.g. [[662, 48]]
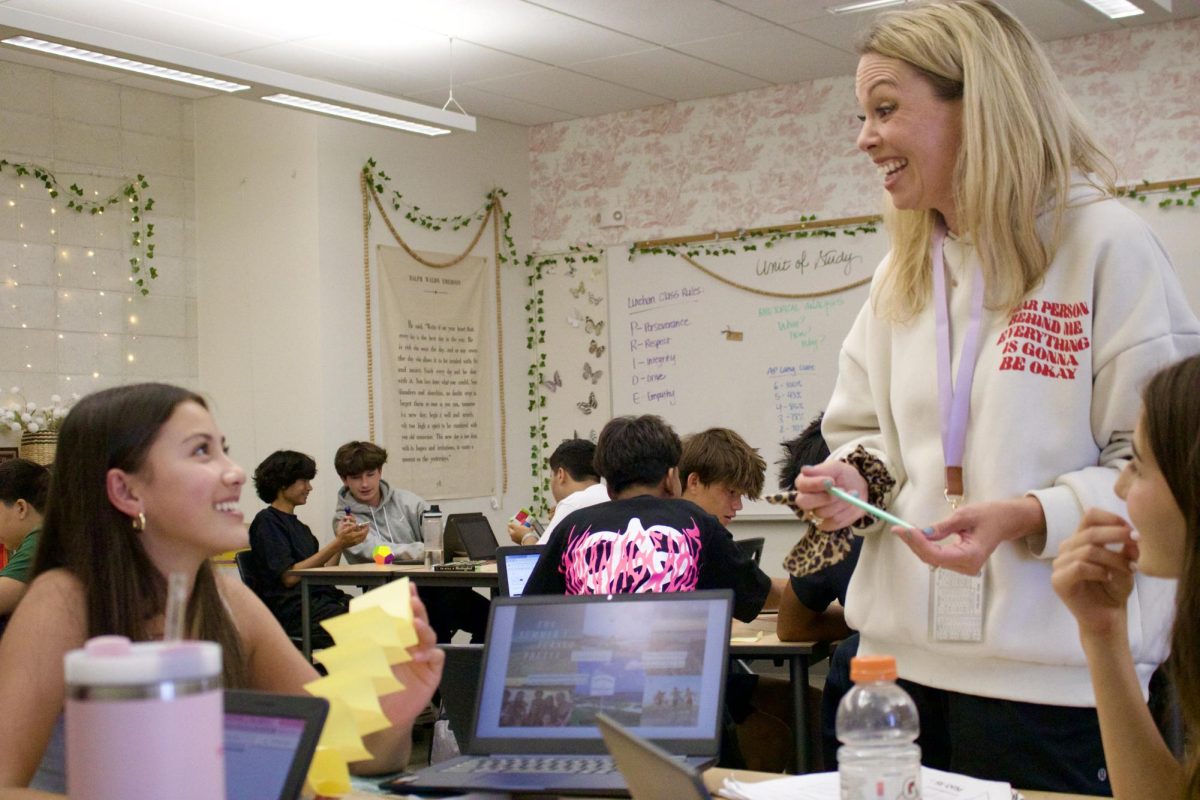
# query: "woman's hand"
[[980, 528], [1093, 573], [824, 510]]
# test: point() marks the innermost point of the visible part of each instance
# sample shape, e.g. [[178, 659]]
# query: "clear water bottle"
[[877, 725], [431, 534]]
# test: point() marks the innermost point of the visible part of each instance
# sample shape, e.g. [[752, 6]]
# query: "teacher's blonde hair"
[[1022, 138]]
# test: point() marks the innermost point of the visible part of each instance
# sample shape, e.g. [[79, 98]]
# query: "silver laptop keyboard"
[[546, 765]]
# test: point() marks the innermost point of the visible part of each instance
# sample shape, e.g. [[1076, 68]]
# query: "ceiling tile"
[[577, 94], [541, 34], [669, 74], [784, 11], [660, 21], [774, 54]]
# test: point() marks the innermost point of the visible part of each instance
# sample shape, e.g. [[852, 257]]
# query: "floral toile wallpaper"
[[767, 156]]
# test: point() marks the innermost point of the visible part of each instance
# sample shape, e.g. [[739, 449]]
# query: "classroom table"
[[712, 779], [756, 640], [377, 575]]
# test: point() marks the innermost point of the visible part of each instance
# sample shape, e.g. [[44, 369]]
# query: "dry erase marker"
[[878, 513]]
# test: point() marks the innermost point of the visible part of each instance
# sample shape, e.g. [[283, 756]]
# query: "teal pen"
[[878, 513]]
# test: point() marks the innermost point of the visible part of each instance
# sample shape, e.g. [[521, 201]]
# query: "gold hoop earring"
[[139, 523]]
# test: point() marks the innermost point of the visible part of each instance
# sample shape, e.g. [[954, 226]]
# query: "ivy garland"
[[535, 337], [143, 231], [378, 178], [749, 241], [1174, 192]]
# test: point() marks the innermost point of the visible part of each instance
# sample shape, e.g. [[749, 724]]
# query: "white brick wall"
[[70, 319]]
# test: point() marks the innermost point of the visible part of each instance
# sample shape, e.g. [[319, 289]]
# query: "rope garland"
[[764, 292], [495, 213]]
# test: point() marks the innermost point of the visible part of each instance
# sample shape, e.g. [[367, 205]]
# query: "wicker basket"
[[39, 447]]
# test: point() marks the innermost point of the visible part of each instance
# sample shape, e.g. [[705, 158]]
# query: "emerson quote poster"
[[437, 386]]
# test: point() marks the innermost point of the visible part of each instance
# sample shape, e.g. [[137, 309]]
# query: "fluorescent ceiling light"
[[353, 113], [116, 62], [260, 80], [864, 5], [1115, 9]]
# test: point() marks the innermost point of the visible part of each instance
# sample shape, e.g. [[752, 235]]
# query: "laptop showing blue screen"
[[654, 662], [515, 565]]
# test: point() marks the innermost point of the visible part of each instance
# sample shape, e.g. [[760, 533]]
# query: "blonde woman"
[[989, 390]]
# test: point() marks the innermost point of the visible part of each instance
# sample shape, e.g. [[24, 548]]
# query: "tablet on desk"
[[269, 743]]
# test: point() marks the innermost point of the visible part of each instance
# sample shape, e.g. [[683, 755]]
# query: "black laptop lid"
[[475, 532], [269, 743], [466, 526], [655, 662]]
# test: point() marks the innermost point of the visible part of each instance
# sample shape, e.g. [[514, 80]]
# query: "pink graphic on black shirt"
[[655, 559], [1043, 337]]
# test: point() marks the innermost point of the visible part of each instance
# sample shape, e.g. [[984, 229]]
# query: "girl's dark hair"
[[21, 479], [806, 450], [280, 470], [85, 534], [1171, 429]]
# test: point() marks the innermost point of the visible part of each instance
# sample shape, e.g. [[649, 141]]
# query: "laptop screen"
[[517, 568], [268, 744], [655, 662]]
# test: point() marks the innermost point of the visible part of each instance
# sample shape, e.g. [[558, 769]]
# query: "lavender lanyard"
[[954, 398]]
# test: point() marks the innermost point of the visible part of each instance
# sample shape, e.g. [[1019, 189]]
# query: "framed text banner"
[[436, 376]]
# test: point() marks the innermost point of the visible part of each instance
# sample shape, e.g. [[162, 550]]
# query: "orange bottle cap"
[[864, 669]]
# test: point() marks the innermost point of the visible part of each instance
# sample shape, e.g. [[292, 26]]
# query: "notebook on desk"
[[269, 743], [655, 662], [470, 535]]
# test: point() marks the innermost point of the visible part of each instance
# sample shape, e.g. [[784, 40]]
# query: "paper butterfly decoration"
[[589, 405], [592, 326], [594, 299], [577, 292], [574, 319], [591, 375], [596, 349], [553, 384]]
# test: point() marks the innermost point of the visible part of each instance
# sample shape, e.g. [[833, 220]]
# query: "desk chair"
[[246, 572], [753, 548]]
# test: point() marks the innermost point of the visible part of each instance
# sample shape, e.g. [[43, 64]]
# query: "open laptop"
[[514, 566], [656, 662], [269, 743], [650, 772], [470, 535]]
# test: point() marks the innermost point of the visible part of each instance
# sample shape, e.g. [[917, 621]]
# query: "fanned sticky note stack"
[[371, 638]]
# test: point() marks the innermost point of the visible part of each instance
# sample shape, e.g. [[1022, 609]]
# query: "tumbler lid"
[[115, 661]]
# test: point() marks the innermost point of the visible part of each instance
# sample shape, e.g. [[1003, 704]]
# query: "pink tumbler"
[[144, 721]]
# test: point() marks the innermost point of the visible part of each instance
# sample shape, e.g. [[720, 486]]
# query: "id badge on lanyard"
[[956, 601]]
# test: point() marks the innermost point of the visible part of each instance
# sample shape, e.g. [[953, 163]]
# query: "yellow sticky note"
[[375, 625], [357, 693], [327, 774], [363, 658], [340, 734], [396, 599]]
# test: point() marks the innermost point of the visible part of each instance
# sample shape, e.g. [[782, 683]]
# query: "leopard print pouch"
[[819, 549]]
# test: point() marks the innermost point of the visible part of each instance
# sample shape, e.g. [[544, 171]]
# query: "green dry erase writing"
[[878, 513]]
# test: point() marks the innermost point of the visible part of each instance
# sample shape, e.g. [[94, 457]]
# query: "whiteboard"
[[702, 353]]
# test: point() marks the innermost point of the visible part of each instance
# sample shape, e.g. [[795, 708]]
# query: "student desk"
[[712, 779], [377, 575], [755, 640]]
